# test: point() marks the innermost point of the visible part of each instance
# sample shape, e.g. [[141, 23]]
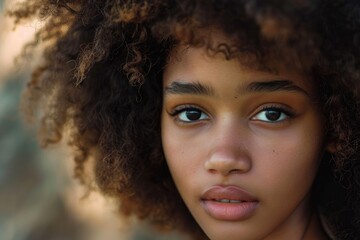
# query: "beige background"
[[38, 197]]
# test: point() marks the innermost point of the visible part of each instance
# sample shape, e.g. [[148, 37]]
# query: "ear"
[[331, 143], [332, 146]]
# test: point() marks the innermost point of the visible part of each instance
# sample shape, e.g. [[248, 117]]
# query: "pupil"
[[193, 115], [272, 115]]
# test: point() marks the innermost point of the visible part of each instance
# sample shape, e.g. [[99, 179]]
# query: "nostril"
[[234, 171], [224, 172], [212, 171], [226, 164]]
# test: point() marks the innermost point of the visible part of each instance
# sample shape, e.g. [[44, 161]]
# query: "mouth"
[[228, 203]]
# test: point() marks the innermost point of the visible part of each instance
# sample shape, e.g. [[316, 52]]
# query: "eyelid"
[[290, 113], [176, 111], [280, 107]]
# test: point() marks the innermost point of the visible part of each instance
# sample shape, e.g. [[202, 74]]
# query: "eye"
[[190, 114], [272, 115]]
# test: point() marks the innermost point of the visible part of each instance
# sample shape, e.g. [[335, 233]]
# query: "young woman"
[[225, 119]]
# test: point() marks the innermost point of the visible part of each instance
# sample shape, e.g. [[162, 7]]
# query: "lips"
[[228, 203]]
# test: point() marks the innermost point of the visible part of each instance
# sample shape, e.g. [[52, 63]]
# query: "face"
[[243, 146]]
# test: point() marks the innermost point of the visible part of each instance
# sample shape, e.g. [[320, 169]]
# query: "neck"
[[314, 230]]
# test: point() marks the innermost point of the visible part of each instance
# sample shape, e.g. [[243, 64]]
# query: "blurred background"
[[39, 199]]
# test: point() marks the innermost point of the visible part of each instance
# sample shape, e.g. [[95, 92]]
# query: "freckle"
[[235, 97]]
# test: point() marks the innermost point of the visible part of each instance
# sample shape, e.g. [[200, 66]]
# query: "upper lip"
[[219, 192]]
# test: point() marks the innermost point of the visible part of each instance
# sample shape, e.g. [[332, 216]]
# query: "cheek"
[[175, 150], [289, 162], [181, 154]]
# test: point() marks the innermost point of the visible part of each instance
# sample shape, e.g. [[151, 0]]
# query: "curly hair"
[[101, 82]]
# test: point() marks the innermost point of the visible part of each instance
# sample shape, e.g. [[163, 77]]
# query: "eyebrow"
[[275, 85], [196, 88]]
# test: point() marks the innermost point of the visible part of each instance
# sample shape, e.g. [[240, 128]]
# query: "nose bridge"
[[229, 151]]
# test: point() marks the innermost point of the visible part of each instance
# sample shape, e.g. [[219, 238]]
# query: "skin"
[[215, 132]]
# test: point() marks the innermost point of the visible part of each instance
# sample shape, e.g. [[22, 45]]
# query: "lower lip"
[[229, 211]]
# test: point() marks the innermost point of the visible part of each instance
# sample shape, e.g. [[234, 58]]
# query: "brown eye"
[[272, 115], [191, 115]]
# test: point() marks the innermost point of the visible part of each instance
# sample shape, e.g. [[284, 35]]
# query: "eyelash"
[[180, 109], [281, 109]]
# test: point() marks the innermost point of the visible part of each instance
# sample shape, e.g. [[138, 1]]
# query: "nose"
[[228, 152]]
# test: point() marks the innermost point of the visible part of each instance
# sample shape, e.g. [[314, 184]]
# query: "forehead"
[[191, 64], [255, 54]]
